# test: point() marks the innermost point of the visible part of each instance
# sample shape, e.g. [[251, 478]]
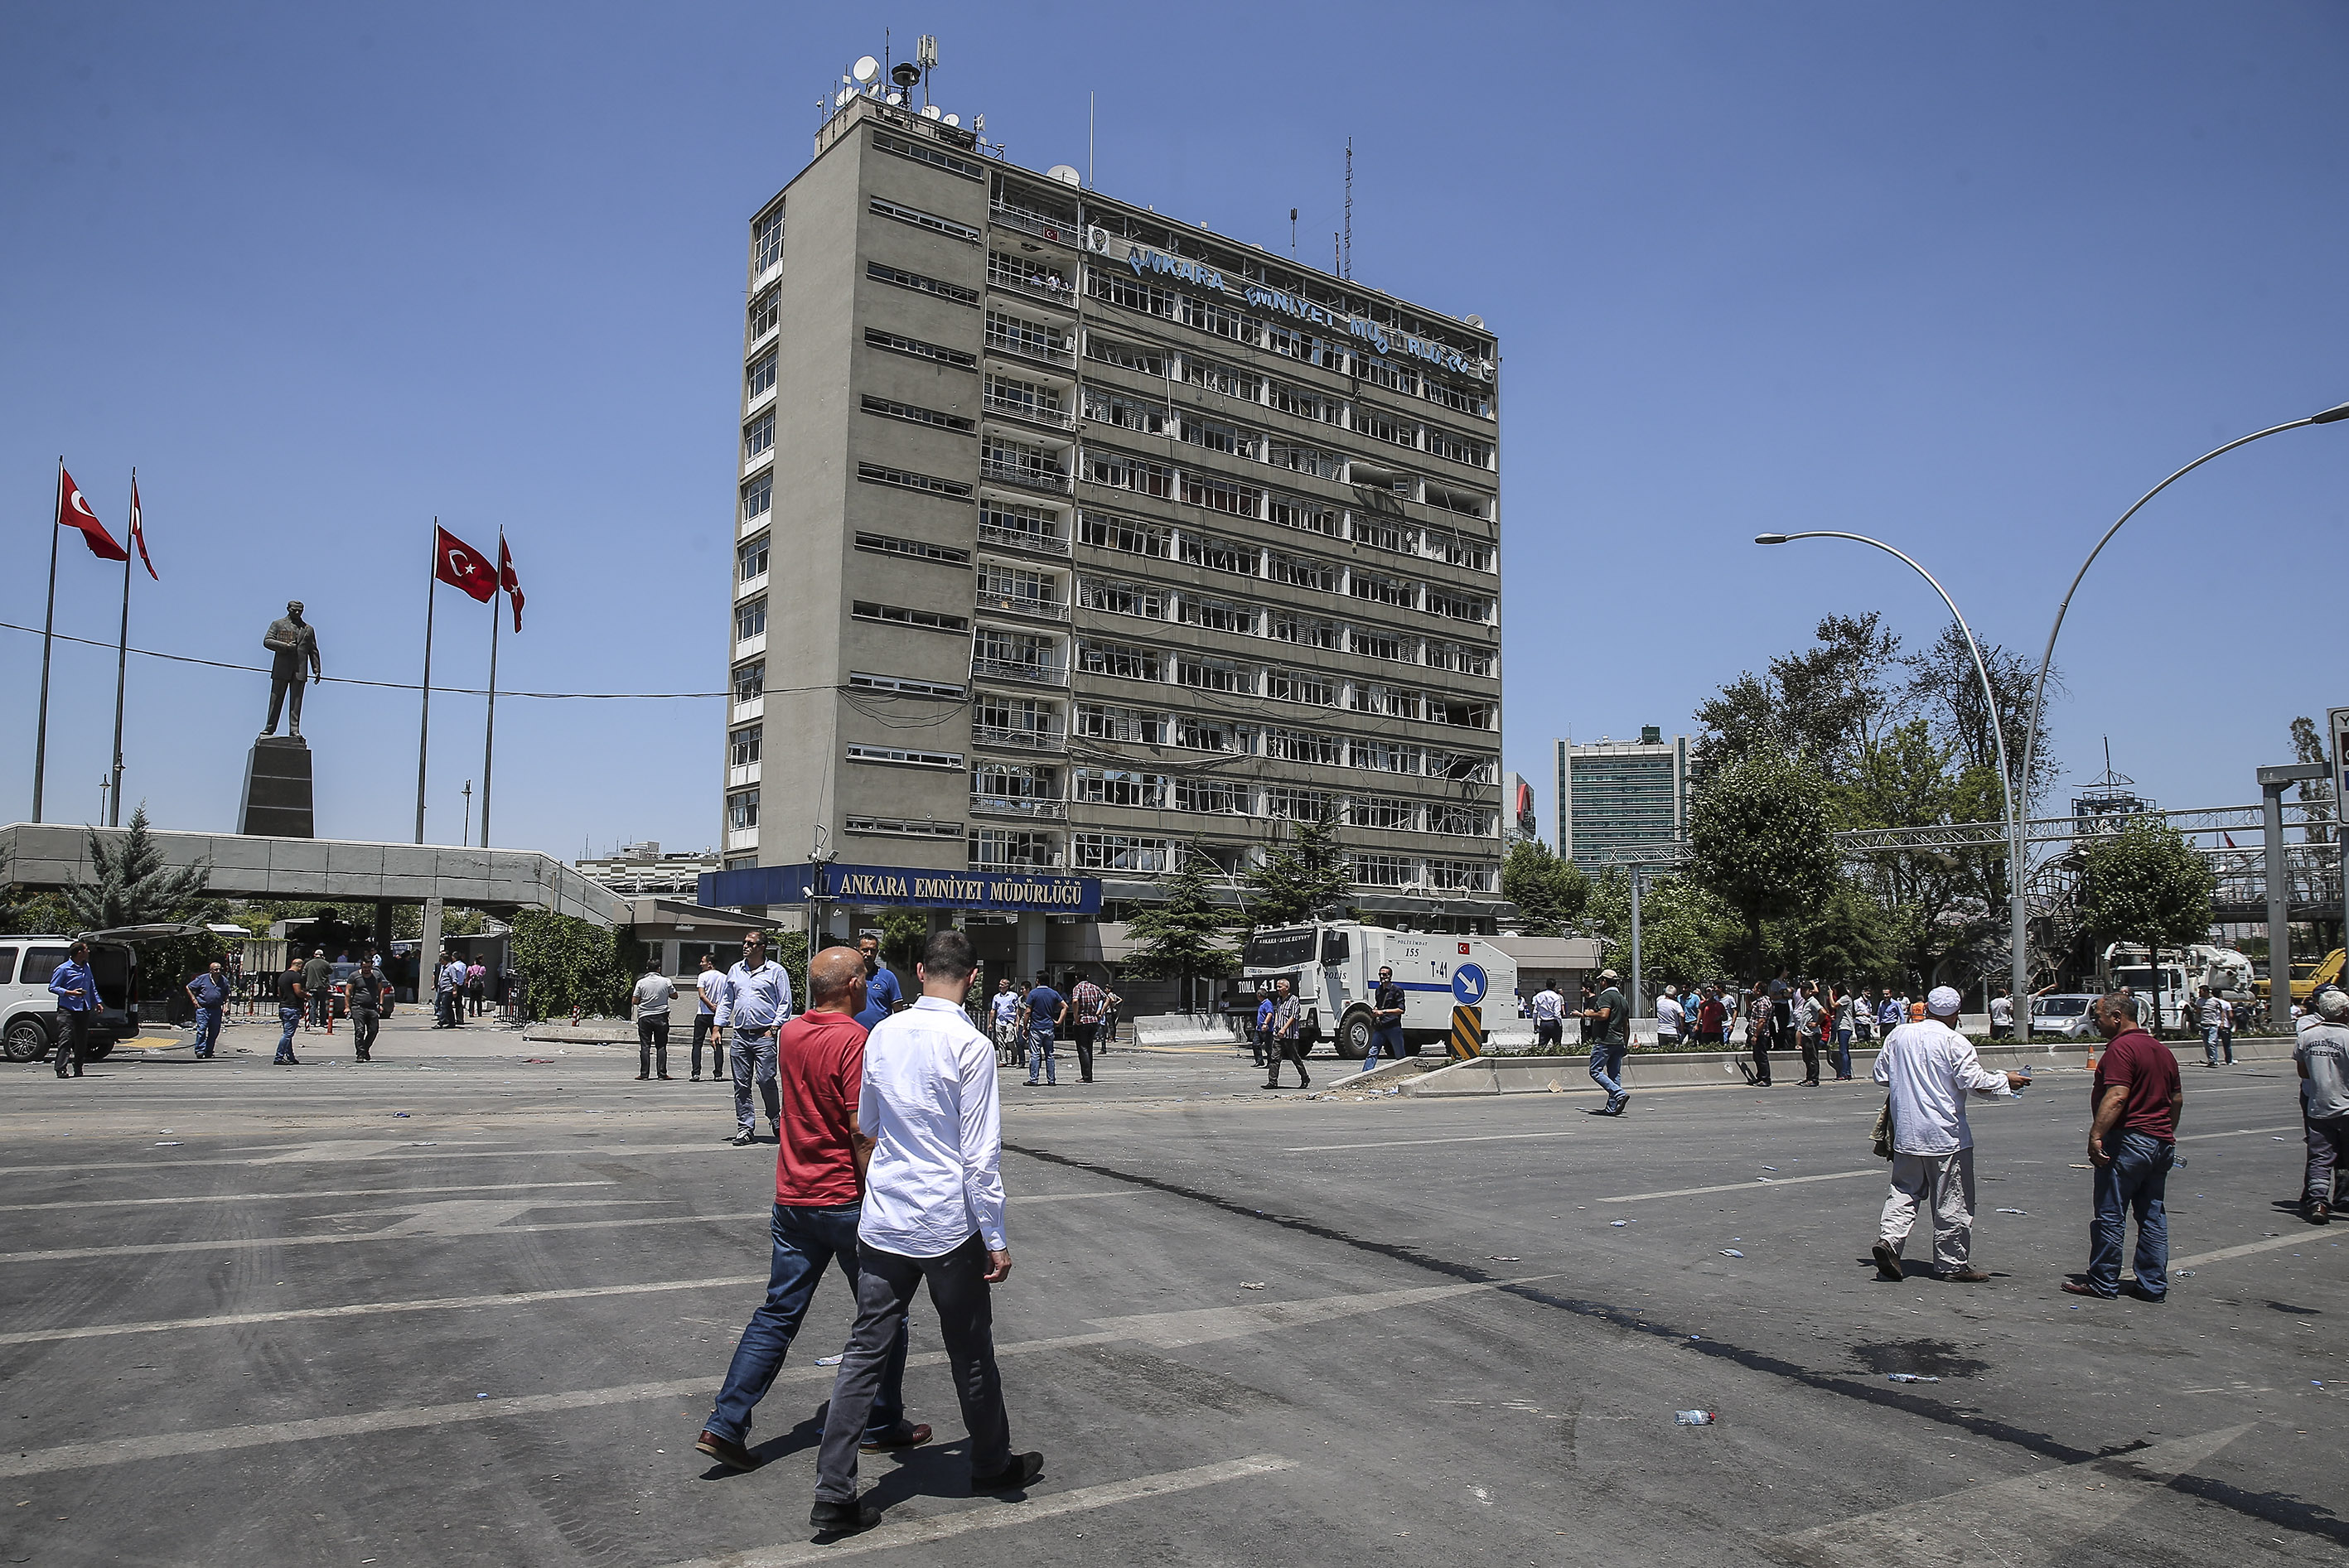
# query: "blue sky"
[[1969, 278]]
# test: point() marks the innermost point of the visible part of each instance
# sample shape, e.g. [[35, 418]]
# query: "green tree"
[[1760, 840], [1822, 704], [1847, 939], [24, 913], [2145, 884], [1301, 879], [1183, 937], [1549, 892], [903, 934], [1686, 931], [567, 963], [131, 885], [1937, 905]]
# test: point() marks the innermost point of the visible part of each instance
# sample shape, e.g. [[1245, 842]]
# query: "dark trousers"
[[806, 1242], [1810, 1056], [322, 1008], [1081, 1036], [363, 1027], [1761, 1047], [1288, 1047], [885, 1287], [1550, 1032], [652, 1037], [1266, 1052], [73, 1046], [702, 1023], [2328, 1156]]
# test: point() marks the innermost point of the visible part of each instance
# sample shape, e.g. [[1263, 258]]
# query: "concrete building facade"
[[1071, 539], [1620, 800]]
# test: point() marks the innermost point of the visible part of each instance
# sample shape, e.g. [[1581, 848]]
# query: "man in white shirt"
[[1549, 1013], [1003, 1007], [758, 1002], [710, 985], [2001, 1014], [930, 1125], [1668, 1017], [653, 995], [1930, 1068]]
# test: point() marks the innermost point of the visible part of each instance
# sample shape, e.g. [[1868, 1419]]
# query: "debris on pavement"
[[1617, 1225], [1909, 1378], [1692, 1418], [2024, 1212], [1251, 1284], [1497, 1258], [830, 1360], [1730, 1253]]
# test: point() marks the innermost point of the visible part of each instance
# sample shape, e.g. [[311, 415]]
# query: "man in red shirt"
[[2137, 1099], [819, 1199]]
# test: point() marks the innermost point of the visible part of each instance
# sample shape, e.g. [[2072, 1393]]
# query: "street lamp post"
[[1997, 727], [2334, 414]]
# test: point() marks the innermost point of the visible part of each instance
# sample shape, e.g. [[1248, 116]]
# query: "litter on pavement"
[[1730, 1253], [1909, 1378], [1248, 1284], [2025, 1212], [1692, 1418]]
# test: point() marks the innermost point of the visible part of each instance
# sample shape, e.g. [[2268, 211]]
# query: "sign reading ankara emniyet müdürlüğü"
[[901, 887]]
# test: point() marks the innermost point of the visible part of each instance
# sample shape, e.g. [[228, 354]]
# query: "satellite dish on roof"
[[929, 112], [865, 70], [1065, 174], [952, 119], [840, 100]]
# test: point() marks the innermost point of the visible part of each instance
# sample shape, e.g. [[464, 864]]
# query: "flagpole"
[[122, 670], [490, 731], [424, 713], [48, 632]]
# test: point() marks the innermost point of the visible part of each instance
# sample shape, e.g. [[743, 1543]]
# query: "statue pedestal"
[[277, 789]]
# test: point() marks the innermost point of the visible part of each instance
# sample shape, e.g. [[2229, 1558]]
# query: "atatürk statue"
[[294, 642]]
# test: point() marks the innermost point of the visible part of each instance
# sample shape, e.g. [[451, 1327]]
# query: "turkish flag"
[[506, 578], [138, 533], [460, 565], [74, 511]]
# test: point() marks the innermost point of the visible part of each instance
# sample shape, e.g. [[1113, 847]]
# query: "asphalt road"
[[348, 1315]]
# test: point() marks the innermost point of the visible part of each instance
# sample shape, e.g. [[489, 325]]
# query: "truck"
[[2183, 970], [2307, 979], [1333, 966]]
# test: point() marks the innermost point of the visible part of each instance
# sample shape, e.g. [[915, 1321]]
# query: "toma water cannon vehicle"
[[1332, 967]]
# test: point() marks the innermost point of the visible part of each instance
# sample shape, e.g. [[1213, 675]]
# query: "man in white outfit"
[[1930, 1068]]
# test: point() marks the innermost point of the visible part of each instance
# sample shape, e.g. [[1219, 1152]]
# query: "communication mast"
[[1345, 244]]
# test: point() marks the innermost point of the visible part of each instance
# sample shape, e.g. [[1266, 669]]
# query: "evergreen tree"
[[1550, 893], [1307, 877], [1182, 938], [132, 886]]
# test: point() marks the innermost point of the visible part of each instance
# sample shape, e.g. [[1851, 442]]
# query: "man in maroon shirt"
[[2137, 1099], [819, 1198]]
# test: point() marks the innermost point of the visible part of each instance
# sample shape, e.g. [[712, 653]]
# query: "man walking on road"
[[882, 996], [819, 1200], [1549, 1015], [209, 992], [653, 995], [317, 986], [708, 986], [1044, 1009], [1267, 1053], [2137, 1099], [932, 1214], [758, 1002], [1003, 1011], [1088, 1005], [1286, 1018], [1607, 1024], [291, 995], [367, 990], [1386, 1019], [1930, 1068], [74, 985], [2322, 1058]]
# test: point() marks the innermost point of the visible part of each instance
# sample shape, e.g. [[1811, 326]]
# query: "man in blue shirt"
[[76, 987], [757, 1003], [209, 993], [1045, 1009], [882, 994], [1264, 1054]]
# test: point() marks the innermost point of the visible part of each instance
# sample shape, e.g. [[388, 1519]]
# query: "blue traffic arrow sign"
[[1469, 985]]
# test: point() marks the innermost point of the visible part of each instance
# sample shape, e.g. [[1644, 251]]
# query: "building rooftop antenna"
[[1346, 246]]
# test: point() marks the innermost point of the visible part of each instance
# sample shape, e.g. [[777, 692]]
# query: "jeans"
[[1810, 1043], [2217, 1041], [1039, 1054], [885, 1288], [1389, 1036], [291, 1017], [1081, 1036], [1945, 1182], [702, 1023], [2133, 1183], [1607, 1067], [1260, 1043], [2328, 1156], [1843, 1053], [322, 1008], [364, 1026], [73, 1042], [208, 1026], [806, 1240], [754, 1062], [652, 1036]]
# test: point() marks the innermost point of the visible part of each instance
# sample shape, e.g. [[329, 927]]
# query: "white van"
[[29, 1025]]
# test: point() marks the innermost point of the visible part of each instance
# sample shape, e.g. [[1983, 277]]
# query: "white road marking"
[[2272, 1244], [1883, 1172], [2239, 1132], [364, 1309], [1194, 1327], [2035, 1519], [288, 1197], [1408, 1142], [995, 1515]]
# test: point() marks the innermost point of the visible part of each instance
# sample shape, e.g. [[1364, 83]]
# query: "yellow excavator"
[[2307, 979]]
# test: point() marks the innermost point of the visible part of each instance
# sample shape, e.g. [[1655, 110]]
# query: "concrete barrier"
[[1184, 1029], [1656, 1070]]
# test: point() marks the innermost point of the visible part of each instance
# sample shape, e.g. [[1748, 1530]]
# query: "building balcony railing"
[[1018, 604], [1051, 481], [1011, 738], [1035, 414], [1015, 867], [1019, 806], [1027, 349], [1035, 224], [1020, 670], [1058, 294], [1021, 539]]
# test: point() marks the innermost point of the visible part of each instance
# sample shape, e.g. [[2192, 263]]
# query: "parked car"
[[30, 1026], [2064, 1013]]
